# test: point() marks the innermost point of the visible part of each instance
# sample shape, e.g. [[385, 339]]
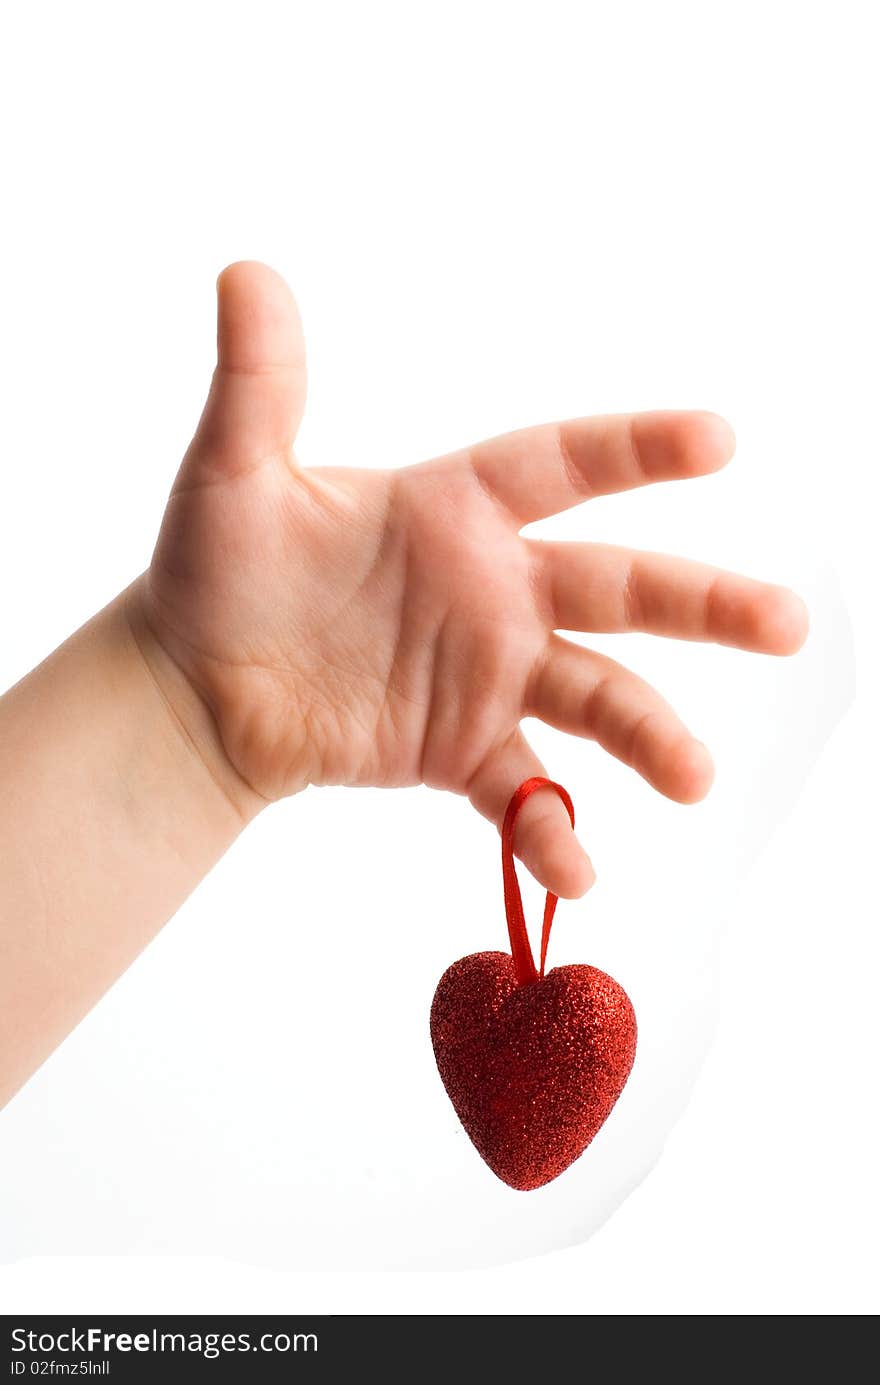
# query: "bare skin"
[[336, 626], [392, 627]]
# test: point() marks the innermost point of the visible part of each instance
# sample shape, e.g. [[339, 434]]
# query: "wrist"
[[189, 717]]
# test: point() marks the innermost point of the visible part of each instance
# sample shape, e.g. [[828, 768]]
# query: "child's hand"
[[348, 626], [332, 627]]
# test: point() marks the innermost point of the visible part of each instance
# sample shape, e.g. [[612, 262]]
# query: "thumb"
[[258, 392]]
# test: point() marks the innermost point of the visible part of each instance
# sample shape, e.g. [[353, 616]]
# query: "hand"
[[346, 626]]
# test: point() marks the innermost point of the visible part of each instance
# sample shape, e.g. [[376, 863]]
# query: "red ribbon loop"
[[520, 947]]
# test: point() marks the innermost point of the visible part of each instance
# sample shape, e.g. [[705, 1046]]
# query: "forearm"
[[115, 803]]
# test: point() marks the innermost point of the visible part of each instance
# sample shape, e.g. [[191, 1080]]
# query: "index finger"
[[539, 471]]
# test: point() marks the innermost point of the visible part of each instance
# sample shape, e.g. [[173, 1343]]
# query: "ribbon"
[[520, 947]]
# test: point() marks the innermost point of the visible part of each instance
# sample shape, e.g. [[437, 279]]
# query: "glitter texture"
[[532, 1070]]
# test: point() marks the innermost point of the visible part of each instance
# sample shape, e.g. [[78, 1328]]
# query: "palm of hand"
[[392, 628], [395, 645]]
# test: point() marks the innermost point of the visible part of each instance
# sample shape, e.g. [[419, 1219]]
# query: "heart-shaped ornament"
[[532, 1064]]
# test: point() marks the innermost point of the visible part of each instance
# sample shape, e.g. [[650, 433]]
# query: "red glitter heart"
[[532, 1064], [532, 1071]]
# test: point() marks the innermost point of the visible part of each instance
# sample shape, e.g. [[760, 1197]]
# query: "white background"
[[491, 215]]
